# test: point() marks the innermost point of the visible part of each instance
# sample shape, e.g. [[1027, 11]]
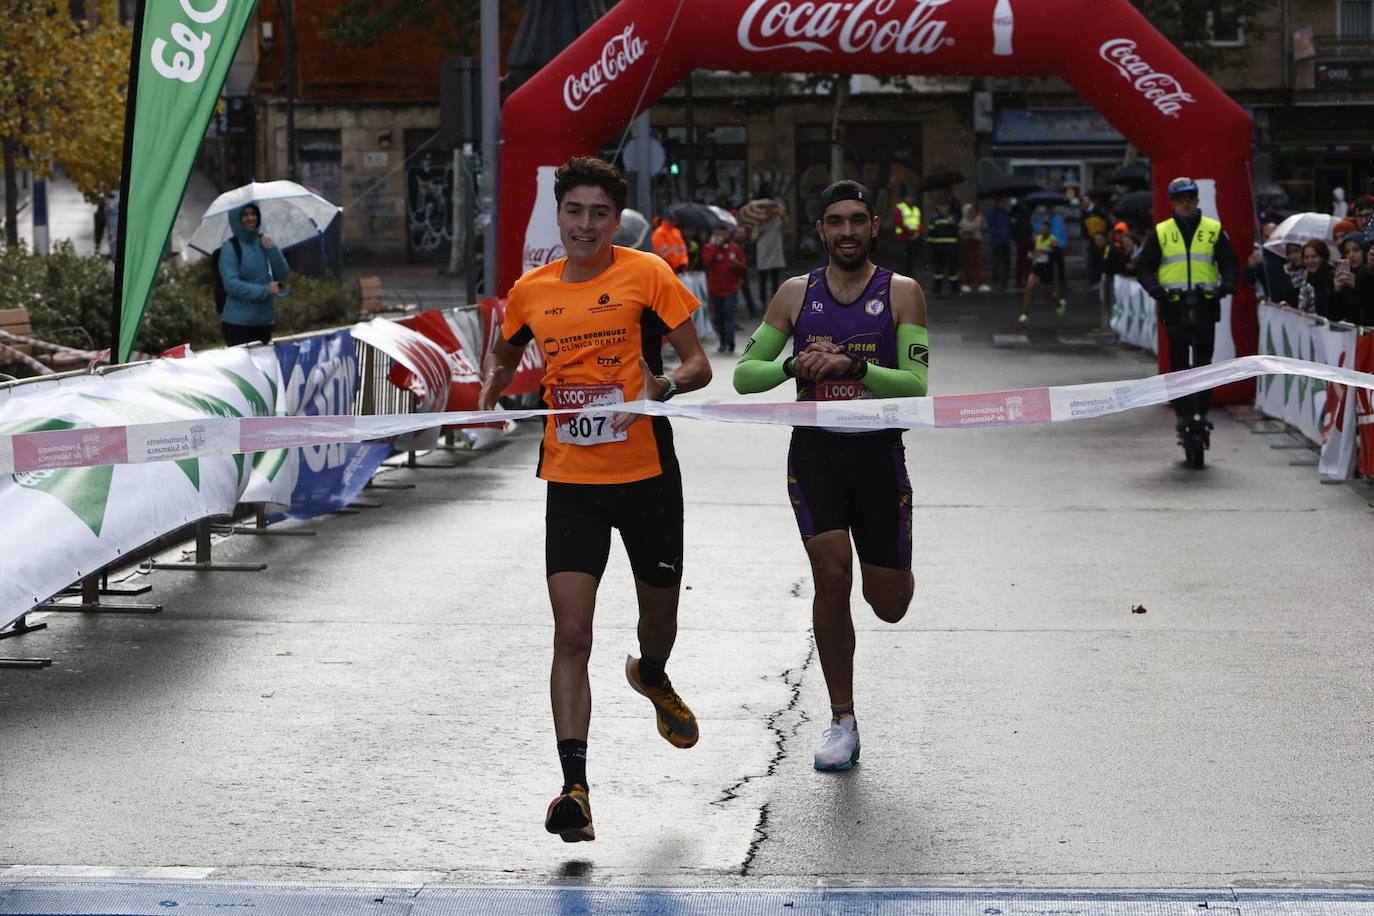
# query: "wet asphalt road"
[[373, 707]]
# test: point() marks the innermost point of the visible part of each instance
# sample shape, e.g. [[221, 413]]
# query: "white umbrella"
[[725, 216], [634, 229], [291, 214], [1299, 228]]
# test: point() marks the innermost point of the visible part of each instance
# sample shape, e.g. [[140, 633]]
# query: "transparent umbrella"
[[291, 214], [1299, 228]]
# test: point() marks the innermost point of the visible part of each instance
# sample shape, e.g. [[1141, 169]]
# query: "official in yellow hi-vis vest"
[[906, 220], [1188, 265]]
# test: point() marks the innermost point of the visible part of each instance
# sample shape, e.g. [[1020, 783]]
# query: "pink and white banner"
[[143, 442]]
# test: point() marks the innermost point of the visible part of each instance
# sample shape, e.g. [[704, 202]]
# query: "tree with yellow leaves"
[[62, 95]]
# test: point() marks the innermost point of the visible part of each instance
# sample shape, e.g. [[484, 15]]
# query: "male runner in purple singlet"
[[858, 331]]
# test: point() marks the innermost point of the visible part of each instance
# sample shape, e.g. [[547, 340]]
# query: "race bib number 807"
[[586, 428]]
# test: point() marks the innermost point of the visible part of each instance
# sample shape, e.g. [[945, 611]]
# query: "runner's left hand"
[[651, 391]]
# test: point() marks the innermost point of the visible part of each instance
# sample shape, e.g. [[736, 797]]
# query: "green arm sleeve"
[[757, 369], [912, 376]]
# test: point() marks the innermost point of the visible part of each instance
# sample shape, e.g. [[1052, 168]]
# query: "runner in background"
[[600, 314], [857, 331]]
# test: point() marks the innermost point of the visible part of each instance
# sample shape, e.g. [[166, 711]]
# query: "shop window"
[[1225, 29], [319, 158], [1355, 18]]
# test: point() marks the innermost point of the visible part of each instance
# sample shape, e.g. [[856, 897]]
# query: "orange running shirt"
[[593, 334]]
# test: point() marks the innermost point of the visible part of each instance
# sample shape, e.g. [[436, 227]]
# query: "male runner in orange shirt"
[[600, 314]]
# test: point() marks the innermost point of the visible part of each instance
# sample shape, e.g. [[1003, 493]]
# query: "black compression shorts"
[[579, 517], [854, 482]]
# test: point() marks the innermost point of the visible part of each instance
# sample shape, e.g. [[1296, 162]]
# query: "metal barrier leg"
[[203, 561], [19, 628], [91, 603], [260, 527], [105, 589]]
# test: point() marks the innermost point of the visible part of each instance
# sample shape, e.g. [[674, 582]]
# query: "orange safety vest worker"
[[670, 245]]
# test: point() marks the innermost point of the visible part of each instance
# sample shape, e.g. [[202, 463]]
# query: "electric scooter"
[[1195, 430]]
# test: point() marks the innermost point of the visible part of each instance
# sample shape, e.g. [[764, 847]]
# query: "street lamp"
[[286, 11]]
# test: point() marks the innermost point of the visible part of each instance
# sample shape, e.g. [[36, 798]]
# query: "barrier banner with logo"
[[1133, 314], [320, 379], [181, 54], [1298, 401], [1364, 405], [273, 477], [1338, 451], [454, 335], [65, 523], [529, 374], [418, 366]]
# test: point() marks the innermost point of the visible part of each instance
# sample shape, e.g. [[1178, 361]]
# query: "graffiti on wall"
[[429, 206]]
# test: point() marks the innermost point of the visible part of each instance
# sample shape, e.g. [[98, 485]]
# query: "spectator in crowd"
[[723, 259], [1000, 242], [943, 236], [1094, 222], [1352, 282], [1061, 235], [906, 223], [1358, 220], [972, 230], [1023, 232], [1255, 272], [741, 236], [1129, 246], [1314, 282], [1339, 208], [1287, 290], [768, 250], [670, 245], [252, 270]]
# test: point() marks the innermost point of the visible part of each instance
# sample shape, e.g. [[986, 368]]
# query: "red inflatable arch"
[[1105, 49]]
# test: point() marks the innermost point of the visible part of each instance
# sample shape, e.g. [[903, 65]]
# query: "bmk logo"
[[858, 27], [608, 360], [617, 56], [1162, 90]]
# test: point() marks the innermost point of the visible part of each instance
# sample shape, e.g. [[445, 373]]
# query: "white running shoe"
[[841, 748], [984, 288], [965, 288]]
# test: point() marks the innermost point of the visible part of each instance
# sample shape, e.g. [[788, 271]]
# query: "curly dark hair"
[[582, 171]]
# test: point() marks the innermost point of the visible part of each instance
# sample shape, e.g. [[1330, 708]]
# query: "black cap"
[[846, 189]]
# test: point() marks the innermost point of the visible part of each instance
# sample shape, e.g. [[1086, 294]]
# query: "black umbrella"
[[1135, 175], [694, 216], [1047, 199], [1135, 202], [1006, 186], [547, 28], [944, 178]]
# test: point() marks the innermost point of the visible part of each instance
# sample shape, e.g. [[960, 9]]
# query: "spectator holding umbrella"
[[251, 268], [1314, 283]]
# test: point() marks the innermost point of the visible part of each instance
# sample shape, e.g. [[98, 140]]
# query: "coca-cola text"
[[616, 57], [852, 27], [1163, 91]]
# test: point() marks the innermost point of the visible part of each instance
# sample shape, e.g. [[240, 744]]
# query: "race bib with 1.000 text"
[[586, 429]]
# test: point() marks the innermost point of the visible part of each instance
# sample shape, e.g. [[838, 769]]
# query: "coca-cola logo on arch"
[[850, 27], [617, 56], [1161, 89]]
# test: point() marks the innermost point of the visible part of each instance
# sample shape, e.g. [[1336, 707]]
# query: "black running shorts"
[[854, 482], [579, 517]]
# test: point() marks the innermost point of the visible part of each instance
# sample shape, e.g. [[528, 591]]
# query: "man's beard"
[[845, 262]]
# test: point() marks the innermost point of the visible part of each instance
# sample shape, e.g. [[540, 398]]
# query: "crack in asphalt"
[[784, 723]]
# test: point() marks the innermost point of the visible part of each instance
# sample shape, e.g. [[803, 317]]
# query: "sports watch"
[[669, 391]]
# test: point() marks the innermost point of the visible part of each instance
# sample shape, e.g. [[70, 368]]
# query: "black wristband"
[[789, 367], [858, 368]]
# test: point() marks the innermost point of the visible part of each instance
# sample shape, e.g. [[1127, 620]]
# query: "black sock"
[[651, 671], [572, 754]]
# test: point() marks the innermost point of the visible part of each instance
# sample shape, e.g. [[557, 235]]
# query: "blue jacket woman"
[[252, 276]]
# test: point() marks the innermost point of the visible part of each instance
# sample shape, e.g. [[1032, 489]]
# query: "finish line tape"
[[205, 437]]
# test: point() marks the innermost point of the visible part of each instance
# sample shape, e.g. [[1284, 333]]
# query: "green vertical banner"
[[181, 53]]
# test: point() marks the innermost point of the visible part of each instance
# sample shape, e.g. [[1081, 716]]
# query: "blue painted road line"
[[124, 897]]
